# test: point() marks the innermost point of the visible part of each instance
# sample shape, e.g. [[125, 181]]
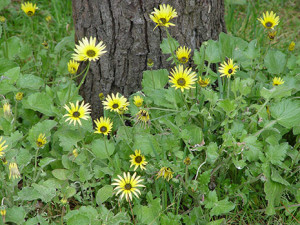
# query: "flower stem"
[[228, 89], [170, 46], [131, 212], [81, 82], [35, 164], [5, 40], [109, 158], [220, 87]]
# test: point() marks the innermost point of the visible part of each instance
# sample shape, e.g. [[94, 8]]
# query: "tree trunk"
[[126, 29]]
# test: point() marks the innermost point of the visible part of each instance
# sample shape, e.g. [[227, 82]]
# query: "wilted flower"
[[150, 63], [165, 172], [143, 117], [2, 147], [48, 18], [6, 109], [19, 96], [187, 161], [14, 171], [73, 66], [203, 82], [272, 34], [292, 46]]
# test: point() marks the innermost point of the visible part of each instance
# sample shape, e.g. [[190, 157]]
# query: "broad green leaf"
[[286, 112], [101, 150], [211, 199], [273, 192], [29, 81], [103, 194], [168, 48], [6, 65], [253, 50], [216, 222], [194, 134], [212, 52], [212, 152], [13, 46], [222, 207], [46, 193], [5, 88], [66, 42], [228, 106], [24, 157], [37, 220], [12, 75], [46, 161], [226, 45], [155, 79], [68, 138], [276, 153], [28, 194], [41, 102], [61, 174], [275, 176], [78, 219], [148, 214], [275, 61], [15, 215], [277, 92], [4, 3], [253, 148]]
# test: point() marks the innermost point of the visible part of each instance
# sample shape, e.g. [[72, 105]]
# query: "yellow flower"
[[277, 81], [2, 19], [272, 34], [269, 20], [138, 160], [187, 161], [128, 185], [19, 96], [64, 200], [101, 96], [228, 69], [143, 117], [88, 50], [150, 63], [45, 44], [2, 147], [104, 126], [165, 172], [73, 66], [6, 109], [3, 212], [29, 8], [138, 101], [116, 103], [203, 82], [75, 152], [183, 54], [292, 46], [183, 79], [48, 18], [76, 112], [163, 15], [14, 171], [41, 141]]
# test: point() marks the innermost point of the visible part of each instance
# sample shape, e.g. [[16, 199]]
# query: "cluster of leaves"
[[242, 138]]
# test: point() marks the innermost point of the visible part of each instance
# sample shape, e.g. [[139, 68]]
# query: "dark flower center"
[[269, 24], [39, 144], [183, 60], [230, 71], [29, 13], [115, 106], [181, 82], [103, 129], [143, 113], [138, 159], [127, 186], [76, 114], [163, 20], [91, 53]]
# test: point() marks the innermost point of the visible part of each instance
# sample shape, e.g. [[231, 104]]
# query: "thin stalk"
[[6, 45], [228, 89], [15, 114], [81, 82], [109, 158], [220, 87], [170, 46], [131, 212], [186, 174], [35, 164]]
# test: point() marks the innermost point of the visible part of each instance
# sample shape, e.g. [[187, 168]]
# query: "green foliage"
[[224, 153]]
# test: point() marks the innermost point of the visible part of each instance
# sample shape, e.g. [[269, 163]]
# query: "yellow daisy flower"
[[269, 20], [29, 8], [292, 46], [104, 126], [116, 103], [2, 147], [228, 69], [163, 15], [182, 78], [76, 112], [45, 44], [143, 117], [272, 34], [128, 185], [14, 171], [138, 101], [203, 82], [88, 50], [41, 141], [277, 81], [73, 66], [138, 160], [183, 54], [165, 172]]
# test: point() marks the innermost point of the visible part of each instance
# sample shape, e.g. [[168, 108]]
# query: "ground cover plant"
[[213, 140]]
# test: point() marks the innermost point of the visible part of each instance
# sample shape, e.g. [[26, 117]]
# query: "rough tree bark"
[[126, 29]]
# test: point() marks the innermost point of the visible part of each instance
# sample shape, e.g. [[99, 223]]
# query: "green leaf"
[[4, 3], [253, 50], [222, 207], [15, 215], [13, 46], [228, 106], [78, 219], [226, 45], [5, 87], [68, 138], [165, 46], [273, 192], [46, 161], [41, 102], [103, 194], [212, 52], [61, 174], [211, 199], [28, 194], [99, 149], [275, 176], [216, 222], [148, 214], [30, 81], [194, 134], [155, 79], [275, 61], [37, 220], [24, 157], [276, 153], [286, 112], [6, 65], [212, 152], [46, 193], [12, 75], [254, 148]]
